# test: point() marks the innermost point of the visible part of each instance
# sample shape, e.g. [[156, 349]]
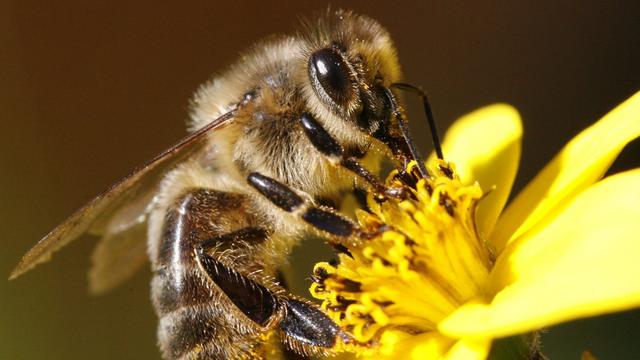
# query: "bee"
[[275, 144]]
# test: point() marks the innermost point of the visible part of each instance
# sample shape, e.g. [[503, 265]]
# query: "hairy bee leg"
[[287, 352], [304, 328], [252, 298], [302, 318], [333, 151], [322, 218]]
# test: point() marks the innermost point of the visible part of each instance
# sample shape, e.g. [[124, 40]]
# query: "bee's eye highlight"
[[330, 74]]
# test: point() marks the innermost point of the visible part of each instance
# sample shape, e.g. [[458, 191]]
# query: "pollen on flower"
[[423, 261]]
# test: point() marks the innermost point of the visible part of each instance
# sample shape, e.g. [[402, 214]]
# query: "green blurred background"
[[89, 90]]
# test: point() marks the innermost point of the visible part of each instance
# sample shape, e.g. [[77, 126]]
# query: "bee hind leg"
[[306, 329], [252, 296], [302, 326]]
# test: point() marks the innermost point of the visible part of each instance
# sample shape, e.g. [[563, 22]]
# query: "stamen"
[[425, 261]]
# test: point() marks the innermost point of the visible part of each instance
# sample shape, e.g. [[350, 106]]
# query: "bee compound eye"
[[330, 75]]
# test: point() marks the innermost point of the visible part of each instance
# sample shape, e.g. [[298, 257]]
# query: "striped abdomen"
[[197, 321]]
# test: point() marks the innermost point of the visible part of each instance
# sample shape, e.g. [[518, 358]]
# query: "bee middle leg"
[[339, 229]]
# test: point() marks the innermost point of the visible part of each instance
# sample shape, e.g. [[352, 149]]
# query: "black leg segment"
[[306, 324], [328, 221], [279, 194], [322, 218], [253, 299], [329, 147], [319, 137]]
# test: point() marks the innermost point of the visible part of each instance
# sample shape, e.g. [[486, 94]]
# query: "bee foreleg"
[[335, 154], [323, 218]]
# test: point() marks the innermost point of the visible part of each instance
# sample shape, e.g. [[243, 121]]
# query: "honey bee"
[[275, 144]]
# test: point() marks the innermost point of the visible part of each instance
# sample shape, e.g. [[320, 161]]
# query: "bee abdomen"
[[172, 290], [193, 324], [194, 332], [196, 318]]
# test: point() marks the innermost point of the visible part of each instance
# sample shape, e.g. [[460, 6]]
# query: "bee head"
[[351, 64]]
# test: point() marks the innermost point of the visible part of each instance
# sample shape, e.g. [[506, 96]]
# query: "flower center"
[[425, 261]]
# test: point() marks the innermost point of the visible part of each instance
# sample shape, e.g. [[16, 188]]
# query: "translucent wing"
[[122, 249], [117, 257], [102, 208]]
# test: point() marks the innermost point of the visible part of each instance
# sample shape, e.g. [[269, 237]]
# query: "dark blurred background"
[[91, 89]]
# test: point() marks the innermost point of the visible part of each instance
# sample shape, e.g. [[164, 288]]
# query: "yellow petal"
[[582, 162], [485, 146], [469, 349], [397, 344], [582, 262], [431, 346]]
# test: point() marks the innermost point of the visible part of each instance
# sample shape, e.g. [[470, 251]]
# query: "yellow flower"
[[449, 271]]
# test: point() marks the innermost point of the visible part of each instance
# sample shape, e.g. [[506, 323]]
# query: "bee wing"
[[117, 257], [122, 249], [105, 205]]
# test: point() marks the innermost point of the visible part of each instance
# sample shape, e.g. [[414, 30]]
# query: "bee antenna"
[[427, 110]]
